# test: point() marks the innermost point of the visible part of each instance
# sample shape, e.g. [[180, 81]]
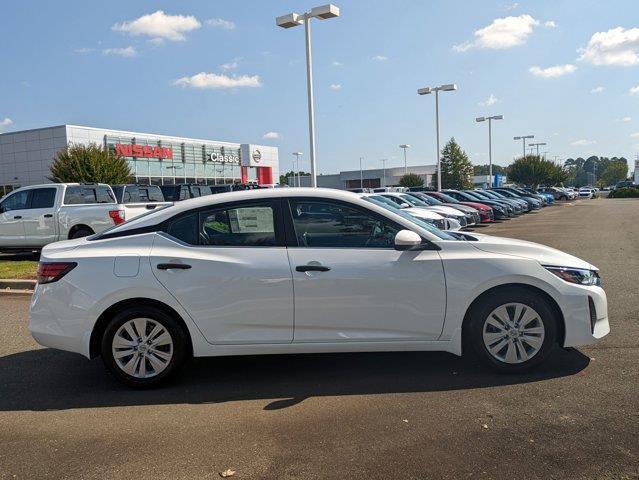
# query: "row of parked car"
[[461, 209], [34, 216]]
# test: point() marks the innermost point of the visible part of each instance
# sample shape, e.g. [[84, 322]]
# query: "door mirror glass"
[[407, 240], [404, 205]]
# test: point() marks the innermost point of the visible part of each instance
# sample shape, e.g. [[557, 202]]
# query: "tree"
[[284, 177], [616, 172], [533, 170], [457, 171], [484, 169], [411, 180], [89, 164]]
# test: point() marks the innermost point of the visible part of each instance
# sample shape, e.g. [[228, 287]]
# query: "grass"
[[18, 269]]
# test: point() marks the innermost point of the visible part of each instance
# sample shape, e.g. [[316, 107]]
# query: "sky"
[[566, 71]]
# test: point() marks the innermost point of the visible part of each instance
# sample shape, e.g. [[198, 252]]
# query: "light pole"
[[426, 91], [384, 160], [523, 138], [404, 146], [490, 143], [537, 145], [361, 173], [293, 20], [299, 180]]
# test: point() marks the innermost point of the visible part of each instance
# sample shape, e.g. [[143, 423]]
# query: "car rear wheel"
[[143, 347], [512, 331], [81, 232]]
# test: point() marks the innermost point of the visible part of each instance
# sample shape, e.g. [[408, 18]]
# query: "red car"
[[485, 212]]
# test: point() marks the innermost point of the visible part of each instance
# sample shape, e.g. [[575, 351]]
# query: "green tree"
[[457, 171], [411, 180], [484, 169], [284, 177], [89, 164], [616, 171], [533, 170]]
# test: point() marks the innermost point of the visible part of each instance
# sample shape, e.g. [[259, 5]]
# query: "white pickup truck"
[[138, 199], [34, 216]]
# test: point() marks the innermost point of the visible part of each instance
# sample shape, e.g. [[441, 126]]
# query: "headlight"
[[580, 276]]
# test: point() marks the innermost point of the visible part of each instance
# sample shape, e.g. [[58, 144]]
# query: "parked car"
[[549, 198], [585, 192], [472, 214], [434, 218], [184, 191], [500, 211], [533, 203], [34, 216], [557, 193], [448, 212], [138, 199], [486, 214], [306, 271], [512, 207]]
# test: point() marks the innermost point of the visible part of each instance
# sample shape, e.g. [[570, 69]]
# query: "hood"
[[477, 205], [445, 210], [534, 251], [422, 213]]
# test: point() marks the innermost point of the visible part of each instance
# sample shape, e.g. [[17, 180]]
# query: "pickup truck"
[[138, 199], [34, 216], [184, 191]]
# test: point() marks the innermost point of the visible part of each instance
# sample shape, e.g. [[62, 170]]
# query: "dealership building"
[[25, 157], [368, 178]]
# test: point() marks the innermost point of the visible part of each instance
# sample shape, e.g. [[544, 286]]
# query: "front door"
[[351, 285], [228, 267], [12, 209], [39, 219]]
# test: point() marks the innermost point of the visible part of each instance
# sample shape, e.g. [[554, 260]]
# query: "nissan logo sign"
[[257, 156]]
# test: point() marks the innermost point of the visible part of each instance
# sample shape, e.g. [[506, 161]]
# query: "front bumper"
[[586, 321]]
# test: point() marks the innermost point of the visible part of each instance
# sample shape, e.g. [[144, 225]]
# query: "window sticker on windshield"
[[251, 220]]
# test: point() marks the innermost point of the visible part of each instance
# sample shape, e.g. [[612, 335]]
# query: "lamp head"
[[288, 21], [325, 11]]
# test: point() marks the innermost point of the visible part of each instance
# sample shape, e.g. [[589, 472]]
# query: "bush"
[[89, 163], [625, 192], [411, 180]]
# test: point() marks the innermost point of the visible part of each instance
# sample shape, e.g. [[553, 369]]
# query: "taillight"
[[54, 271], [117, 216]]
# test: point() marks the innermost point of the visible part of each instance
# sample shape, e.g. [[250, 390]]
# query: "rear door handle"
[[173, 266], [48, 215], [17, 217], [312, 268]]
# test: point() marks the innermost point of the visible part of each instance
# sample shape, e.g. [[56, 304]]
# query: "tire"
[[81, 232], [148, 365], [513, 350]]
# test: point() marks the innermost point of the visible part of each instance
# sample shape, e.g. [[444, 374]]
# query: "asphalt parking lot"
[[392, 415]]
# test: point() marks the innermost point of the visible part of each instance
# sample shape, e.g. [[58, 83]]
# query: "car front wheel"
[[513, 331], [143, 347]]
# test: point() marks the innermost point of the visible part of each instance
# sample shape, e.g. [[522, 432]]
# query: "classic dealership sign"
[[222, 158], [143, 151]]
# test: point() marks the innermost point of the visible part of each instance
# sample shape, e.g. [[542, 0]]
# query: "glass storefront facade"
[[178, 162]]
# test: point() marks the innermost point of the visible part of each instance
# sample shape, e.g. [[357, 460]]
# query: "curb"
[[16, 287]]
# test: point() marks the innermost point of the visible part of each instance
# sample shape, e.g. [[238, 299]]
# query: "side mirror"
[[407, 240], [404, 205]]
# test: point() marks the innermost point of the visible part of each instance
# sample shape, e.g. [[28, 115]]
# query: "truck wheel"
[[81, 232]]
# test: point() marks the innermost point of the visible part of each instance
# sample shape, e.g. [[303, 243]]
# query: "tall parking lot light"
[[490, 143], [384, 160], [293, 20], [361, 173], [426, 91], [297, 159], [537, 145], [404, 146], [523, 138]]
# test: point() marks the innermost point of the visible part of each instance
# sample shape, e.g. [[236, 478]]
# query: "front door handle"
[[173, 266], [48, 215], [312, 268], [17, 217]]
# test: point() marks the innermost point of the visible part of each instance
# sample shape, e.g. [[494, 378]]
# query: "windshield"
[[483, 195], [430, 200], [447, 198], [472, 196], [425, 225], [414, 201], [507, 194]]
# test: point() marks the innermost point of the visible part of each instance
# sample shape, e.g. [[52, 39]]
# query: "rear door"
[[12, 209], [40, 222], [228, 267]]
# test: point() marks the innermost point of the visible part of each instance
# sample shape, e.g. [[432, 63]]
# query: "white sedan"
[[303, 270]]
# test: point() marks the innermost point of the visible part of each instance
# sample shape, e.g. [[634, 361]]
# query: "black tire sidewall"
[[81, 233], [479, 314], [172, 326]]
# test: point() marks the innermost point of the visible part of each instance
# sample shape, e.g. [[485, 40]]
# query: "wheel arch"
[[561, 331], [79, 226], [103, 320]]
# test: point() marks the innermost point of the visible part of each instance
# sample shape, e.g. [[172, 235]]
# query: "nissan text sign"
[[143, 151]]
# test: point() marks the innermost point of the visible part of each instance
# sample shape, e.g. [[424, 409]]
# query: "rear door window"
[[74, 196], [103, 194], [155, 194], [42, 197]]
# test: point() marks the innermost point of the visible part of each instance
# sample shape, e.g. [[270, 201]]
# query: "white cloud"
[[271, 136], [84, 50], [491, 100], [552, 72], [597, 89], [336, 86], [582, 142], [220, 23], [159, 25], [512, 6], [634, 135], [337, 64], [617, 46], [232, 65], [205, 80], [380, 58], [626, 119], [7, 122], [550, 24], [502, 33], [121, 52], [634, 90]]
